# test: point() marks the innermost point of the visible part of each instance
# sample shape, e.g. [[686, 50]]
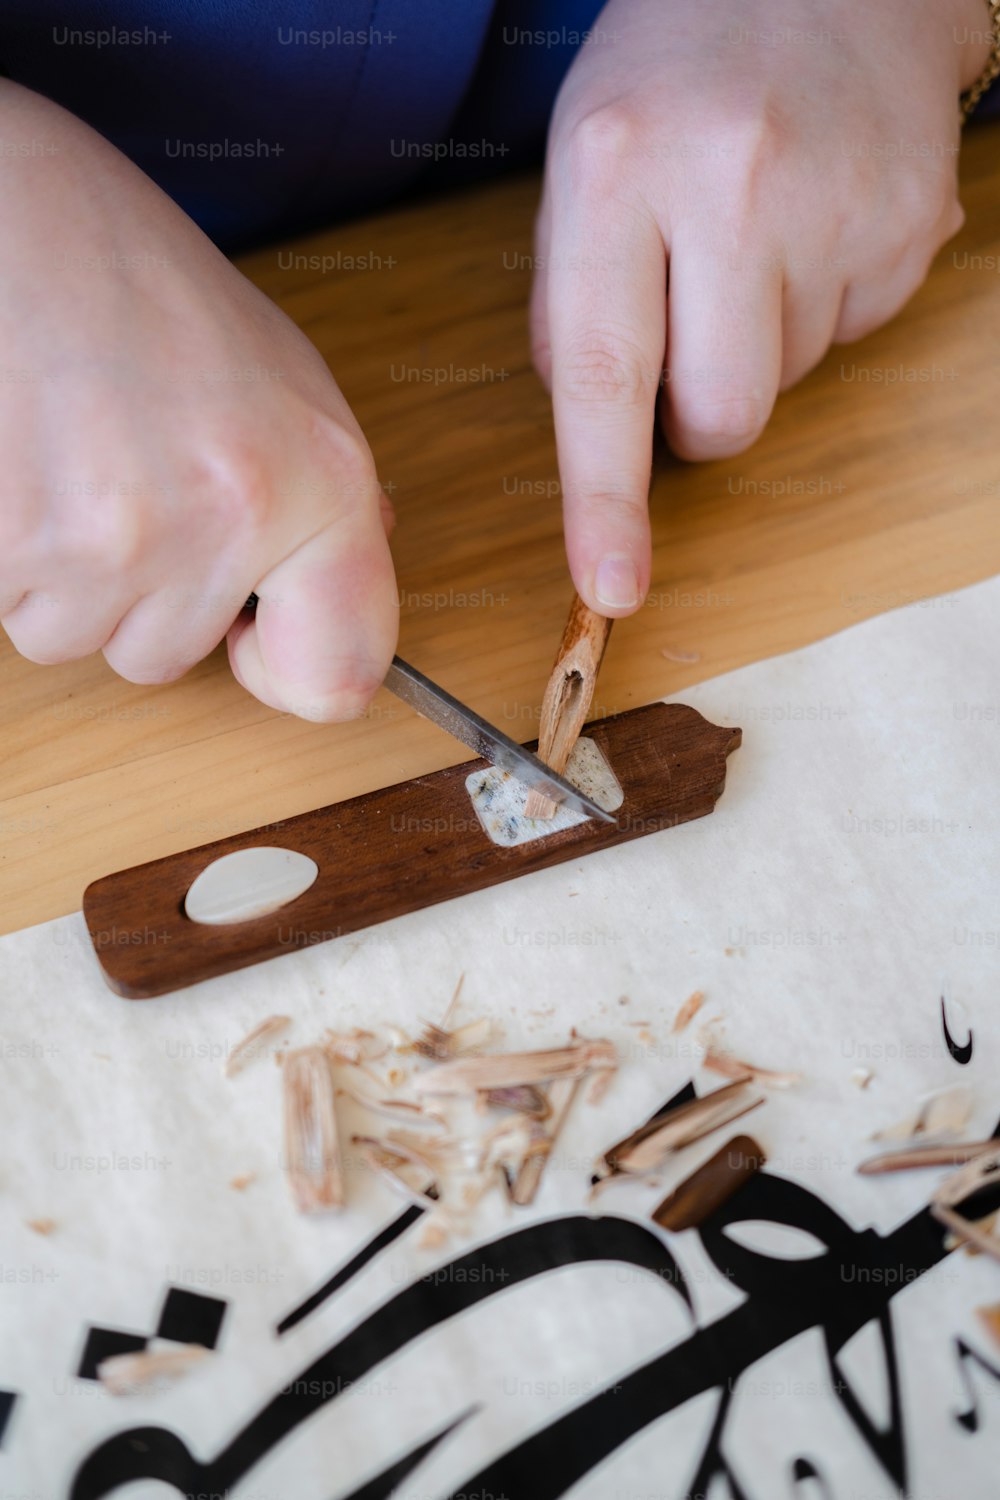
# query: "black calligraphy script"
[[849, 1284]]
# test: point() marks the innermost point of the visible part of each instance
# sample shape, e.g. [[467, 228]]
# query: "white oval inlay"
[[248, 883]]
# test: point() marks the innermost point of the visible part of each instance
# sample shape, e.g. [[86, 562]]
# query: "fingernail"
[[616, 582]]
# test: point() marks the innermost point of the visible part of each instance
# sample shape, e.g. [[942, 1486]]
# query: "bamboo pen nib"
[[568, 694]]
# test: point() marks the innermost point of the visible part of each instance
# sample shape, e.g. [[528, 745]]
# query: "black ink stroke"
[[785, 1298], [350, 1269], [804, 1468], [714, 1464], [480, 1274], [7, 1402], [385, 1484], [969, 1419], [840, 1291], [961, 1053]]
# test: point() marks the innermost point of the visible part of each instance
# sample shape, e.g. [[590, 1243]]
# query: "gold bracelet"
[[990, 73]]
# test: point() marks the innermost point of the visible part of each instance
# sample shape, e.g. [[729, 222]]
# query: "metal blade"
[[448, 713]]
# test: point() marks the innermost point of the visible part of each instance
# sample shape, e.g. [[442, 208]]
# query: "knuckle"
[[615, 499], [603, 368], [954, 218], [925, 201], [722, 423], [541, 351], [597, 144], [234, 480], [349, 457], [104, 532], [541, 359], [752, 142]]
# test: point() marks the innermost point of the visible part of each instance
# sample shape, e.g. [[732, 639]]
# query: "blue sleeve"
[[264, 117]]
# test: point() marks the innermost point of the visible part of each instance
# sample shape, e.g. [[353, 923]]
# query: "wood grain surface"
[[869, 490], [392, 851]]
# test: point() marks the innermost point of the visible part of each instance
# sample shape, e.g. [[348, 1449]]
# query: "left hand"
[[794, 168]]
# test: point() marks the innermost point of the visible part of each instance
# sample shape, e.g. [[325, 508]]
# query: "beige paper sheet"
[[848, 878]]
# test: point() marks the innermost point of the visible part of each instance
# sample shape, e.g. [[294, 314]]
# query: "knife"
[[449, 713], [434, 703]]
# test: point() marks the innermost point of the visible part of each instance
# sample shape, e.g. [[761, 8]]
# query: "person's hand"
[[171, 443], [792, 169]]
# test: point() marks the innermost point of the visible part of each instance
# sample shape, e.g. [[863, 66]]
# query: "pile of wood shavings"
[[448, 1120]]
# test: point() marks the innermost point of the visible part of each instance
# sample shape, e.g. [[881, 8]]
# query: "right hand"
[[171, 443]]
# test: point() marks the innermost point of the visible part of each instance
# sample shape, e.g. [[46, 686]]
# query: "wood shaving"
[[542, 1139], [943, 1113], [674, 653], [41, 1226], [386, 1159], [454, 999], [647, 1148], [435, 1235], [987, 1225], [710, 1185], [394, 1109], [146, 1369], [862, 1077], [472, 1192], [982, 1172], [355, 1046], [433, 1152], [251, 1046], [312, 1156], [965, 1230], [506, 1145], [243, 1181], [437, 1043], [711, 1034], [510, 1069], [990, 1319], [692, 1005], [734, 1067], [523, 1099], [433, 1042], [914, 1157], [418, 1152], [379, 1084], [599, 1085]]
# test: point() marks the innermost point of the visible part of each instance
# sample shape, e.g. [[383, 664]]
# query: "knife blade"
[[463, 723], [449, 713]]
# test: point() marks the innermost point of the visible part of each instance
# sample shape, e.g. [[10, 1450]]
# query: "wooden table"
[[862, 495]]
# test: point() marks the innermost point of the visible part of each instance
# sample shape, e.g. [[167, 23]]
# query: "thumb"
[[322, 637]]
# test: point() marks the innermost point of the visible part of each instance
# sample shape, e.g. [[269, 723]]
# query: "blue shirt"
[[265, 117]]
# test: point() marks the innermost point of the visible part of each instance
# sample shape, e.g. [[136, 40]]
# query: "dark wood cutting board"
[[393, 851]]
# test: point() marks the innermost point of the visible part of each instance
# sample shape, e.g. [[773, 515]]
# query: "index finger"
[[607, 320]]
